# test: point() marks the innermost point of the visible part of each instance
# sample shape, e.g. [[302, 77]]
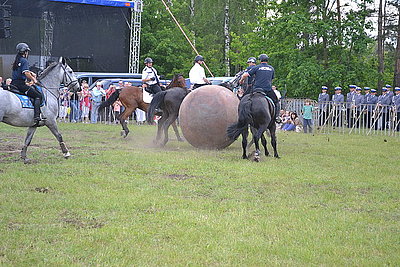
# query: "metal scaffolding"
[[46, 43], [135, 26]]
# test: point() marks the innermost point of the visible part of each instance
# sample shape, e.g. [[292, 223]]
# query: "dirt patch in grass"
[[44, 190], [79, 222]]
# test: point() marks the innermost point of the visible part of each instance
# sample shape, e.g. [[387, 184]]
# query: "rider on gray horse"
[[20, 73]]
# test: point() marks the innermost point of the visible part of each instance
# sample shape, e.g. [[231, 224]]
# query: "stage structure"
[[46, 43], [136, 7]]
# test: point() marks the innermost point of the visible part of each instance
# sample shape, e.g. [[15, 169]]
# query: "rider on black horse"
[[21, 73], [264, 74]]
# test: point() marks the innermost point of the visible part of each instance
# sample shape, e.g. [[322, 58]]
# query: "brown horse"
[[131, 98]]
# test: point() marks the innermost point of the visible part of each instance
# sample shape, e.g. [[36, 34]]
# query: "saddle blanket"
[[147, 97], [26, 101], [270, 100]]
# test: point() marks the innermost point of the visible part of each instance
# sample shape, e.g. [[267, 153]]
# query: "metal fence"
[[347, 118], [328, 117]]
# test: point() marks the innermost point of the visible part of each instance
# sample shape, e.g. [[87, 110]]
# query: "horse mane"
[[177, 81], [47, 70]]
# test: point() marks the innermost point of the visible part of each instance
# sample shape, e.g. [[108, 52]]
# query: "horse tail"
[[113, 97], [155, 103], [244, 120]]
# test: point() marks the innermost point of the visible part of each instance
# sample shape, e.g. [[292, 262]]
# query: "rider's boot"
[[36, 110]]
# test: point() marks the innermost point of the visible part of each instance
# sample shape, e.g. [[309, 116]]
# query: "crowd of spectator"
[[83, 106]]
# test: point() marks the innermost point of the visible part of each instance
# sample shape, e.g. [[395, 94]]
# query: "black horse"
[[256, 111], [169, 101]]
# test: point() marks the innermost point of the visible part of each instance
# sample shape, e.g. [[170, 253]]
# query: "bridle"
[[71, 84]]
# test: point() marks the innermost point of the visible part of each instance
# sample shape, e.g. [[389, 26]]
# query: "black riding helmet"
[[148, 60], [199, 58], [263, 58], [251, 60], [22, 47]]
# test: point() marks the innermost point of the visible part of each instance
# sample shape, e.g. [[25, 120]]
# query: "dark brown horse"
[[169, 102], [131, 98]]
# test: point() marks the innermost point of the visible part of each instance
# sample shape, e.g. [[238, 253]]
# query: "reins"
[[48, 89]]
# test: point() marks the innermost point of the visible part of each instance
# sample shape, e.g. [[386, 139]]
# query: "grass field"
[[330, 200]]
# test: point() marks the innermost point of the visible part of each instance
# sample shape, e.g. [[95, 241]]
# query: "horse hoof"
[[181, 140], [277, 157], [123, 134], [27, 161], [67, 155]]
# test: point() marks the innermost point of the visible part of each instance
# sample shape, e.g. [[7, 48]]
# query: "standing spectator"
[[197, 75], [117, 110], [8, 81], [85, 103], [64, 104], [109, 110], [74, 105], [151, 82], [97, 95], [384, 102], [396, 106], [357, 108], [120, 85], [323, 101], [349, 104], [1, 82], [389, 90], [307, 116], [140, 116], [277, 93], [370, 100], [338, 102]]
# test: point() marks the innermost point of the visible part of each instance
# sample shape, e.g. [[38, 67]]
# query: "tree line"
[[310, 43]]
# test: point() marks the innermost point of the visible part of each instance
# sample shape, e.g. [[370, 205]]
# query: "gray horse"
[[12, 113]]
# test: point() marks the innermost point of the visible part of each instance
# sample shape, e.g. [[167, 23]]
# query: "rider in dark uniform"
[[21, 73], [251, 61], [264, 74]]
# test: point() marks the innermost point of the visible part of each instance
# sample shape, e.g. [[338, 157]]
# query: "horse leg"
[[264, 143], [54, 129], [175, 127], [245, 133], [160, 124], [257, 137], [122, 118], [273, 140], [28, 139], [171, 119]]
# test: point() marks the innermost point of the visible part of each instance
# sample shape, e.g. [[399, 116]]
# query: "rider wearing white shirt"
[[151, 82], [197, 75]]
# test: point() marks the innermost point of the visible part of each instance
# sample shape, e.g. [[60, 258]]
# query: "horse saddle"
[[26, 102], [263, 93]]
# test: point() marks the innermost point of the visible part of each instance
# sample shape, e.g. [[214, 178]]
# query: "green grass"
[[330, 200]]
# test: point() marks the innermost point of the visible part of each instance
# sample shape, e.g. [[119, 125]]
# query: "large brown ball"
[[206, 113]]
